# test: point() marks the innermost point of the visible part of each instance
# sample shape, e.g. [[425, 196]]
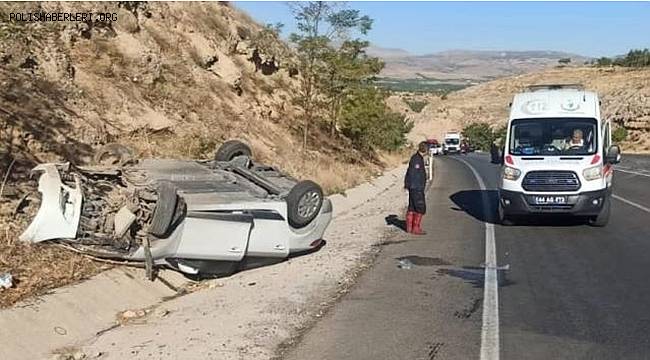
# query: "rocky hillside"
[[625, 96], [170, 79]]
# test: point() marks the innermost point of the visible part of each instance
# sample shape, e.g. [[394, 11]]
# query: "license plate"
[[549, 200]]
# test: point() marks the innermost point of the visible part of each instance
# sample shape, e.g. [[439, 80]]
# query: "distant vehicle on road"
[[452, 142], [558, 156], [434, 147]]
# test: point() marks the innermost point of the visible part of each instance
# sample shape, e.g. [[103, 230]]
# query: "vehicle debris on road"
[[405, 264]]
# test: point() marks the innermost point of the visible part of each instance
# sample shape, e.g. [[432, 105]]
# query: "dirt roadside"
[[251, 314]]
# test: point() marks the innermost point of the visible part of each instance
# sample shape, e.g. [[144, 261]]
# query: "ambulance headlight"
[[510, 173], [592, 173]]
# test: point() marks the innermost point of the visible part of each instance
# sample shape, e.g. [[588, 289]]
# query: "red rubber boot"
[[417, 224], [409, 221]]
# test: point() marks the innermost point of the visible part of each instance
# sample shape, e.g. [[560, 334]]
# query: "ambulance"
[[558, 156]]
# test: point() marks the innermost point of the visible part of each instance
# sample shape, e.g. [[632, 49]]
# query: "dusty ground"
[[251, 314], [625, 95]]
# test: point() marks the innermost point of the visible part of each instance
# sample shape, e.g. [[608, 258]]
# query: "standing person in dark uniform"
[[494, 153], [415, 181]]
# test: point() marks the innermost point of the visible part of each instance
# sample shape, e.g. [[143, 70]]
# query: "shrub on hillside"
[[499, 134], [416, 105], [604, 61], [479, 134], [634, 58], [370, 124], [619, 134]]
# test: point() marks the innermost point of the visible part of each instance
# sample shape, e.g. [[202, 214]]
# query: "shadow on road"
[[471, 202], [475, 275], [394, 220]]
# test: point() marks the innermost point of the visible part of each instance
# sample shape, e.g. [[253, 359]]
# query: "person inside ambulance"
[[576, 141]]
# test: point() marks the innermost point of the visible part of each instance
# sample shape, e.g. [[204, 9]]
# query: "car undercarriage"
[[148, 211]]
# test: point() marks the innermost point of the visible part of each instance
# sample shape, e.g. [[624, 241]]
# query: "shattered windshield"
[[557, 136]]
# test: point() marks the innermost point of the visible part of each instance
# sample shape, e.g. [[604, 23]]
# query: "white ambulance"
[[558, 156]]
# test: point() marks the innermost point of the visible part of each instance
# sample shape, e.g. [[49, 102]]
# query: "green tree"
[[499, 134], [635, 58], [319, 24], [348, 67], [479, 134], [369, 123]]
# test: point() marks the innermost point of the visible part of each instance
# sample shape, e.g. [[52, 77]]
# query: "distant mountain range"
[[467, 65]]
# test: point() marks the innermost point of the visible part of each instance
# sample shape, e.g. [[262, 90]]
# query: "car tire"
[[602, 218], [303, 203], [231, 149], [166, 210], [113, 154]]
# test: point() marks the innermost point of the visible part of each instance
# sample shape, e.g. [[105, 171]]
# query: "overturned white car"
[[208, 217]]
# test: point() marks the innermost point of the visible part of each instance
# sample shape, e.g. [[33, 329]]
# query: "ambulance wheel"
[[502, 218], [603, 217]]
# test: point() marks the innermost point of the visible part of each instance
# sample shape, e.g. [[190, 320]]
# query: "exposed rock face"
[[169, 79]]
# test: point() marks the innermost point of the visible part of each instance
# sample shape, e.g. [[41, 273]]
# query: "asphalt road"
[[570, 291]]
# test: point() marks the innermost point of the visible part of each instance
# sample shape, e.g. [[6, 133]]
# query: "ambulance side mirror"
[[613, 155]]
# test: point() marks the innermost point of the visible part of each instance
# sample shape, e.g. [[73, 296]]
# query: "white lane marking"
[[631, 172], [490, 328], [631, 203]]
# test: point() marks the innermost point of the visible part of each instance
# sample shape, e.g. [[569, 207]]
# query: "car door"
[[270, 234], [211, 235]]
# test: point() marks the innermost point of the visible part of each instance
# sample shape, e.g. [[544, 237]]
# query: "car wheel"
[[603, 217], [113, 154], [231, 149], [168, 209], [303, 203]]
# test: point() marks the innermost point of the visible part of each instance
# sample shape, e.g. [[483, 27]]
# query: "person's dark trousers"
[[418, 206]]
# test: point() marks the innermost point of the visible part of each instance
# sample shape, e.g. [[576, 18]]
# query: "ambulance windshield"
[[554, 136]]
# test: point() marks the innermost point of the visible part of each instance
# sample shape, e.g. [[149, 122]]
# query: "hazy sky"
[[586, 28]]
